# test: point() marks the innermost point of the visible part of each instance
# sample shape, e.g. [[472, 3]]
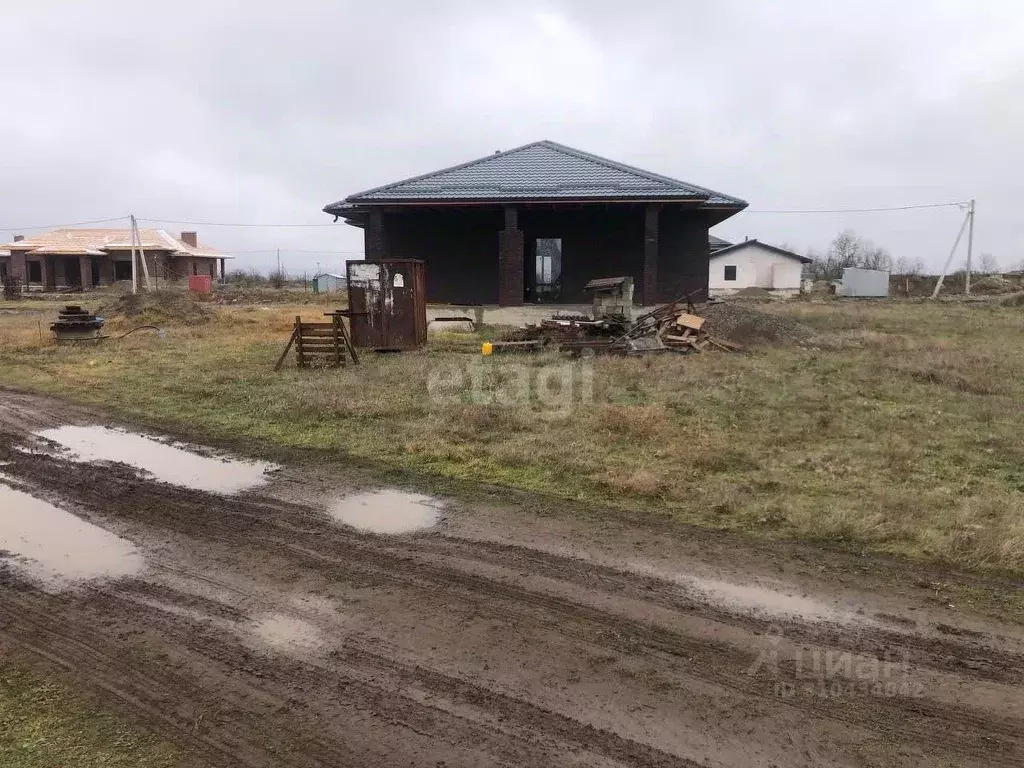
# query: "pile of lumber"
[[674, 328], [687, 334], [671, 328]]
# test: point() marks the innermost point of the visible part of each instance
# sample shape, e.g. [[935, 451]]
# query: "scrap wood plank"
[[694, 322], [284, 354], [730, 346]]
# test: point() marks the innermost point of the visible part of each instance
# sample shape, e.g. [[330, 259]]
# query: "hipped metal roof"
[[542, 171]]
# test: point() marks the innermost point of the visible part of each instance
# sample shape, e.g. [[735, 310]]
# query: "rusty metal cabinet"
[[387, 299]]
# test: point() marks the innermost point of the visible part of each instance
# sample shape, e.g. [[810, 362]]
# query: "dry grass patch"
[[897, 429]]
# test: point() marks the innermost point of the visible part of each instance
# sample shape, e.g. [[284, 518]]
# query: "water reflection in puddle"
[[56, 548], [168, 463], [387, 511], [287, 632], [753, 598]]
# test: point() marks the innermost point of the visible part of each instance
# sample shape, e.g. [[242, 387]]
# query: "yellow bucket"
[[487, 349]]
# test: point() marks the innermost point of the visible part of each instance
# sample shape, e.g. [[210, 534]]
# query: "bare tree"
[[907, 270], [816, 269], [848, 249], [987, 265], [872, 256]]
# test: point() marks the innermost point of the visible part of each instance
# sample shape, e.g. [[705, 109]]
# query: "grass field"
[[898, 430], [43, 725]]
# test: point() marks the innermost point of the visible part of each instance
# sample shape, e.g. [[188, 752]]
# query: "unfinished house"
[[537, 223], [71, 259]]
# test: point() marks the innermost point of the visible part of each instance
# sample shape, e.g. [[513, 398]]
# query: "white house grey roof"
[[544, 170], [749, 243]]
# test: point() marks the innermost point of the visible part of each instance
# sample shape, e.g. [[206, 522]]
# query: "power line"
[[865, 210], [296, 250], [70, 224], [229, 224], [959, 204]]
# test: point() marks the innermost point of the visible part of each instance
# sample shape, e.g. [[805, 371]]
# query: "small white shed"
[[328, 283], [752, 264], [865, 283]]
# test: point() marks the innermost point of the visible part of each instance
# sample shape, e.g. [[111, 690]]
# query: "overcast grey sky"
[[255, 112]]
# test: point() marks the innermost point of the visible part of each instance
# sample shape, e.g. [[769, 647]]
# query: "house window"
[[122, 270], [35, 272], [195, 268], [730, 272]]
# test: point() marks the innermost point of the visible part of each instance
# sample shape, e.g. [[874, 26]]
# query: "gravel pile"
[[753, 292], [750, 326], [993, 284]]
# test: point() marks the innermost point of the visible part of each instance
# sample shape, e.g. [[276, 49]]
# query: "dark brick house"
[[538, 222]]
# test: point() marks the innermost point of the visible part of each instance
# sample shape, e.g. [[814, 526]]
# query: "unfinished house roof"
[[99, 242], [544, 170], [774, 249]]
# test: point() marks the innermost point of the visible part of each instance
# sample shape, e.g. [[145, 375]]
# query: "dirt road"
[[248, 624]]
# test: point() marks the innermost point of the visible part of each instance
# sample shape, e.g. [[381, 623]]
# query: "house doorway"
[[543, 269], [122, 270], [35, 272], [72, 272]]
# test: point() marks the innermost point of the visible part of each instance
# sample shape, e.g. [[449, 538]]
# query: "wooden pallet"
[[320, 345]]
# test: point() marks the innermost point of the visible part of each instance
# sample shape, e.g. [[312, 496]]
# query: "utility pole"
[[952, 252], [278, 261], [137, 238], [970, 247], [135, 272]]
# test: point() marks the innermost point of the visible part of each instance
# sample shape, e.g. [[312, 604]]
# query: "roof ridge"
[[438, 172], [615, 165]]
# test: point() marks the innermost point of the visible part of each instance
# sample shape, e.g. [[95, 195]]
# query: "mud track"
[[263, 633]]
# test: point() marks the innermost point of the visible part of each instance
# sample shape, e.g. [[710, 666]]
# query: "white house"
[[752, 264]]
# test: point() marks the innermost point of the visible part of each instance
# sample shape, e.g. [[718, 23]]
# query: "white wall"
[[756, 266]]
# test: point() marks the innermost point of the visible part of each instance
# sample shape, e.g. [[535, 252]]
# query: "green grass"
[[897, 432], [42, 725]]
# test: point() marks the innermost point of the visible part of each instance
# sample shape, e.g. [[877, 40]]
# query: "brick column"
[[375, 238], [19, 266], [85, 268], [511, 245], [49, 277], [649, 292]]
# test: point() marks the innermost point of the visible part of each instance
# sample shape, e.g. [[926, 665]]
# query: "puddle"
[[166, 462], [387, 511], [286, 632], [761, 600], [56, 548], [771, 601]]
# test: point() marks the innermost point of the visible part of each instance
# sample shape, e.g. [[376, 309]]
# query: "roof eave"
[[352, 204]]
